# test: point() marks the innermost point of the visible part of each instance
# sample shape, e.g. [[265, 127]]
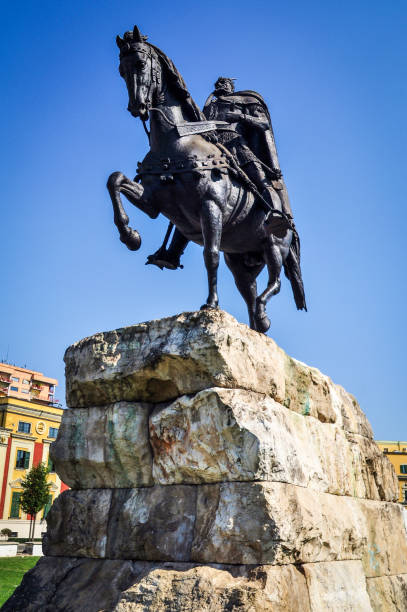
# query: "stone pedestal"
[[209, 472]]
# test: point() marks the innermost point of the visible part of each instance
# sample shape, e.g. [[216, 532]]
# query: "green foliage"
[[35, 490], [12, 570], [6, 532]]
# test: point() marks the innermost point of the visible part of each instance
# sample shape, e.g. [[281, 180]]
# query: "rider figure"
[[249, 138]]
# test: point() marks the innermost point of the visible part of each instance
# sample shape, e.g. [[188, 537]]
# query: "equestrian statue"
[[213, 173]]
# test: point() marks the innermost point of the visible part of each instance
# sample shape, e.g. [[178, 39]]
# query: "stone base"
[[210, 472], [94, 585]]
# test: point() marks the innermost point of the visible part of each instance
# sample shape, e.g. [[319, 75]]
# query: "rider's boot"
[[169, 258], [276, 223]]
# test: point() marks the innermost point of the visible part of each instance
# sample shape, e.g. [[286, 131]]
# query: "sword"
[[198, 127]]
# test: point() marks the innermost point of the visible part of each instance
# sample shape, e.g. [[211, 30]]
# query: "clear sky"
[[334, 77]]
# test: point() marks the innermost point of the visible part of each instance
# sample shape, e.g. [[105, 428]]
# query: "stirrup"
[[162, 259]]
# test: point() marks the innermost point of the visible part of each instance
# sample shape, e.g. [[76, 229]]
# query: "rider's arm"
[[260, 122]]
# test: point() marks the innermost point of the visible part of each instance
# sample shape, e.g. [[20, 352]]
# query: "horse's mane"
[[131, 40], [178, 85]]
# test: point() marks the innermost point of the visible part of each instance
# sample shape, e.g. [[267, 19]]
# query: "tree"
[[35, 493]]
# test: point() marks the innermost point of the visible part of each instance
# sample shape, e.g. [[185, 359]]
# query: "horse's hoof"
[[261, 321], [209, 307]]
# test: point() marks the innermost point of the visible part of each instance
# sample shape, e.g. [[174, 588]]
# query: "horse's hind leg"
[[245, 280], [274, 261], [211, 224]]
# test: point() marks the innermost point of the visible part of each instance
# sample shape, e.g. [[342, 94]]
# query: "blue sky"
[[333, 75]]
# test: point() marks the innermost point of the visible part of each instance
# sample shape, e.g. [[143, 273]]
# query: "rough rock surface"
[[230, 522], [93, 585], [212, 472], [104, 447], [388, 593], [223, 435], [337, 586]]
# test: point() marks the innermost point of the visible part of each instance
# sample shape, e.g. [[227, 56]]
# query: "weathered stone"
[[351, 417], [217, 589], [386, 549], [228, 434], [104, 447], [307, 391], [245, 523], [70, 584], [264, 466], [77, 524], [66, 584], [152, 524], [161, 360], [275, 523], [388, 593], [339, 586], [278, 523]]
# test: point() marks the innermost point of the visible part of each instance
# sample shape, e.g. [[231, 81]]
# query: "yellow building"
[[29, 423], [396, 452]]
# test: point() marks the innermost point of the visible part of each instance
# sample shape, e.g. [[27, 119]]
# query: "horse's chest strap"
[[165, 167]]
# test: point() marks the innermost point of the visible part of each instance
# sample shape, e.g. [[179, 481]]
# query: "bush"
[[6, 532]]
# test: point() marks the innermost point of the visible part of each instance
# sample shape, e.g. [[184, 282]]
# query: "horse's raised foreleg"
[[274, 261], [211, 224], [245, 279], [119, 183]]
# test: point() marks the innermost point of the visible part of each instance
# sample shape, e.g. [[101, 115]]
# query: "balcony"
[[5, 379], [36, 387]]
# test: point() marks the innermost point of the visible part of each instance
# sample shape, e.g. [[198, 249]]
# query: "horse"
[[190, 180]]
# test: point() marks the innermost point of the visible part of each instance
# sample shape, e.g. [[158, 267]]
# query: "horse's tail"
[[116, 183], [292, 270]]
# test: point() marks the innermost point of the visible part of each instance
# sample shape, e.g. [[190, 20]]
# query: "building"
[[396, 452], [29, 421]]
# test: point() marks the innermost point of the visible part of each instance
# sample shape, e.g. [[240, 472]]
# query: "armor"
[[248, 136]]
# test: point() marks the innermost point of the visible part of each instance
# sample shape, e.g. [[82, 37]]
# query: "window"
[[15, 379], [25, 391], [26, 382], [50, 466], [47, 507], [24, 427], [51, 389], [53, 432], [23, 459], [14, 388], [15, 505], [403, 469]]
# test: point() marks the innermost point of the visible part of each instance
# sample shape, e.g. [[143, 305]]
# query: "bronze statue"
[[214, 174]]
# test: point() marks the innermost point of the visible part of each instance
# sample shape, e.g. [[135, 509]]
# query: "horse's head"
[[140, 68]]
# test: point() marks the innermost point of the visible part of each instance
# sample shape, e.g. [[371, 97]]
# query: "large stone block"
[[152, 524], [388, 593], [104, 447], [239, 523], [275, 523], [70, 585], [278, 523], [337, 586], [222, 435], [67, 584], [217, 589], [77, 524], [161, 360]]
